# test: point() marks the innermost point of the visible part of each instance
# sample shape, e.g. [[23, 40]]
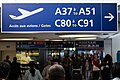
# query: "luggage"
[[76, 74]]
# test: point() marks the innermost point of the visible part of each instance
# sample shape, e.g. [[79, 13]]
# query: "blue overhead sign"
[[59, 17]]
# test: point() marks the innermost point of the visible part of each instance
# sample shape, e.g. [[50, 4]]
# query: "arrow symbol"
[[110, 16]]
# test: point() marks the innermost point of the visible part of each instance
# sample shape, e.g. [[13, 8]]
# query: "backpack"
[[4, 69]]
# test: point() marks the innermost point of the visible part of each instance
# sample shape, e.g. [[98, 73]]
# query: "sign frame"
[[60, 31]]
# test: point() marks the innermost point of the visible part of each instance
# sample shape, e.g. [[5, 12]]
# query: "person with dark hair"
[[15, 69], [7, 60], [56, 72], [66, 63], [83, 60], [106, 66], [116, 71], [33, 73], [9, 63]]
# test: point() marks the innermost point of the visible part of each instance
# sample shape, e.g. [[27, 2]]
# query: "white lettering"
[[82, 11], [63, 23], [31, 25], [85, 23], [13, 25], [22, 26], [56, 23], [64, 11], [93, 11], [45, 25], [79, 22], [87, 11], [58, 11]]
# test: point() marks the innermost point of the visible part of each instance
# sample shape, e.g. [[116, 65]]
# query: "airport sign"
[[59, 17]]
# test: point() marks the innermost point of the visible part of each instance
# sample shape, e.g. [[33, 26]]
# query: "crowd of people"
[[91, 68], [10, 70]]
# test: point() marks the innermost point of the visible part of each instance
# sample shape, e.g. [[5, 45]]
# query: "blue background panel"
[[112, 25], [47, 16]]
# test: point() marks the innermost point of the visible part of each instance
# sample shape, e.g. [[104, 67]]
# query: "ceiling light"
[[16, 39], [78, 35], [85, 38], [46, 39], [56, 40]]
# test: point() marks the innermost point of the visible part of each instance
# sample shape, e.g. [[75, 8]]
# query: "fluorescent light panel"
[[16, 39], [80, 35], [85, 38], [56, 40]]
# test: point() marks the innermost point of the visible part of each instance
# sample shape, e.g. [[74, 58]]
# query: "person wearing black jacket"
[[106, 66], [15, 69], [116, 71], [7, 60]]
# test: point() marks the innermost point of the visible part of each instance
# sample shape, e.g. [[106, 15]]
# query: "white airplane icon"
[[25, 13]]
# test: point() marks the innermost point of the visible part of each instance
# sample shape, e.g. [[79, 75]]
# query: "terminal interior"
[[40, 47]]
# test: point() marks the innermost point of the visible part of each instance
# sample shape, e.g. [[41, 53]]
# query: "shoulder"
[[48, 66], [27, 71], [37, 70], [116, 78]]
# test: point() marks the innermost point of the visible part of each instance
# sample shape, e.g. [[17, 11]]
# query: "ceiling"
[[55, 36]]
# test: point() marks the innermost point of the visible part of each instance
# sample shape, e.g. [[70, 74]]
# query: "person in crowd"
[[116, 71], [56, 72], [25, 59], [66, 63], [54, 61], [83, 60], [96, 68], [76, 62], [88, 67], [49, 57], [45, 71], [7, 60], [106, 66], [9, 63], [76, 67], [33, 73], [4, 70], [15, 70]]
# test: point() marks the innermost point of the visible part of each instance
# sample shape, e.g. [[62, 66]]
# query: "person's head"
[[31, 64], [56, 72], [95, 56], [7, 57], [54, 61], [108, 58], [116, 70], [26, 54], [14, 59]]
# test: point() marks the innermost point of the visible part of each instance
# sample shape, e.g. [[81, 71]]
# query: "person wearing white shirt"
[[33, 73]]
